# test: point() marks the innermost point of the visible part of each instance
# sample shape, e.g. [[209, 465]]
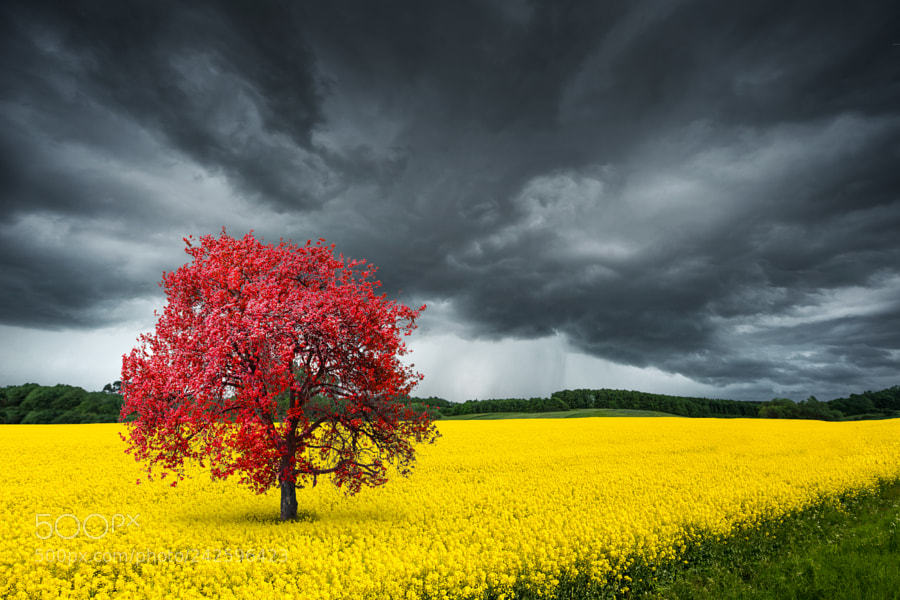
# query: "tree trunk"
[[288, 500], [286, 467]]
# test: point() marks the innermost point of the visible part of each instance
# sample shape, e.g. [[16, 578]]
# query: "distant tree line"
[[33, 403], [868, 405], [434, 405], [470, 407], [884, 404], [604, 398], [684, 406]]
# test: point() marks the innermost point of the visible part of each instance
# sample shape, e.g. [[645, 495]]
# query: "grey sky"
[[692, 197]]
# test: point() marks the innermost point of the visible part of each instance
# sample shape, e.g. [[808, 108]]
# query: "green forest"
[[867, 405], [33, 403]]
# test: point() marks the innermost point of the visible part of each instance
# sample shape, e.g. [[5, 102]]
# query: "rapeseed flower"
[[492, 506]]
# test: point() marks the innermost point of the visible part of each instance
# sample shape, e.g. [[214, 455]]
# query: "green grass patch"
[[845, 548], [562, 414]]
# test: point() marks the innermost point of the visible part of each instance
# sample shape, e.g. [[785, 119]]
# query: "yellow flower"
[[493, 505]]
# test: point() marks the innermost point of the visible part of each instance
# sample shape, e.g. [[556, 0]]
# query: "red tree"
[[279, 364]]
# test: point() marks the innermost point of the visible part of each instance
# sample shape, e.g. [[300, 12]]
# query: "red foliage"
[[277, 364]]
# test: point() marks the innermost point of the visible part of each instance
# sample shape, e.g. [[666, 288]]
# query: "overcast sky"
[[678, 197]]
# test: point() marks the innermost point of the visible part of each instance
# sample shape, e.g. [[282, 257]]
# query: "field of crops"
[[492, 507]]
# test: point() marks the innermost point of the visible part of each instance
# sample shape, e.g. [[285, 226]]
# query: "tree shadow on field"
[[212, 515], [261, 516]]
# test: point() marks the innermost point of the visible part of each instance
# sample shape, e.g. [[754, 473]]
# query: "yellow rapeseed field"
[[490, 504]]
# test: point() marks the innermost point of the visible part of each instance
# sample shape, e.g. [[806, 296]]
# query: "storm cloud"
[[704, 191]]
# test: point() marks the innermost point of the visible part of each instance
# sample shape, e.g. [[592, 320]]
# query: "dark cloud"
[[229, 86], [59, 288], [703, 188]]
